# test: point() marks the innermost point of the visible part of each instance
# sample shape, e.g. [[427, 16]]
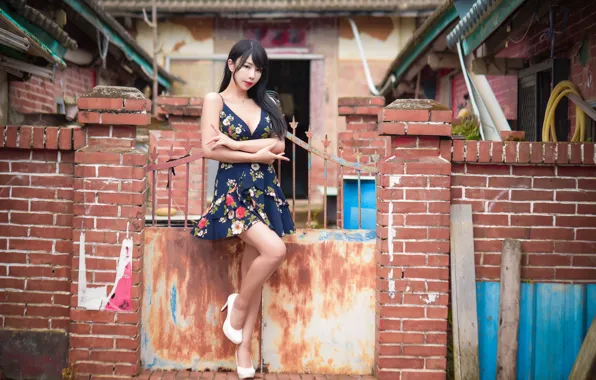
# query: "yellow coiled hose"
[[548, 127]]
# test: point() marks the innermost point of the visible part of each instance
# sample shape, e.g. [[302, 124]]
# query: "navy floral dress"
[[245, 193]]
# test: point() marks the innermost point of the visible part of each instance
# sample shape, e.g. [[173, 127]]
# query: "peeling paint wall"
[[382, 38], [184, 37]]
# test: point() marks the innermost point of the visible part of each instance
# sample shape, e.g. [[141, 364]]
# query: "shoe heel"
[[224, 306]]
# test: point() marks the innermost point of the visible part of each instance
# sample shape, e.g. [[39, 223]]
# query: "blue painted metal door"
[[368, 204], [554, 319]]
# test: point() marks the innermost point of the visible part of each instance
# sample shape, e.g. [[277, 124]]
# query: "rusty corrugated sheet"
[[319, 308], [186, 283]]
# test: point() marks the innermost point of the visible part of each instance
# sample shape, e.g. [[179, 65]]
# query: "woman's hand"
[[266, 156], [221, 139]]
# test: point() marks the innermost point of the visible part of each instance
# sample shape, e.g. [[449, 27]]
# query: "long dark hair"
[[239, 54]]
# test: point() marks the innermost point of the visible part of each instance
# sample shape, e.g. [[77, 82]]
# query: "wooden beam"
[[497, 66], [443, 61], [415, 69], [591, 112], [585, 363], [509, 309], [463, 294]]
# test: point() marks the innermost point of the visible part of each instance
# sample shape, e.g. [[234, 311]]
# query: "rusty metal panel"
[[186, 281], [319, 307]]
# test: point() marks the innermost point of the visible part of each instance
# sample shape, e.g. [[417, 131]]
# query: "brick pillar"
[[361, 136], [109, 191], [413, 242]]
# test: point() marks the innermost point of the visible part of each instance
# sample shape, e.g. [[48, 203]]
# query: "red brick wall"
[[361, 136], [36, 203], [39, 94], [183, 116], [504, 88], [545, 199]]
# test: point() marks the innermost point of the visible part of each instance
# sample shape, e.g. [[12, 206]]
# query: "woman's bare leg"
[[272, 252], [249, 254]]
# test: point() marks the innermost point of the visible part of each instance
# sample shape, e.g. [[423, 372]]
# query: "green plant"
[[468, 127]]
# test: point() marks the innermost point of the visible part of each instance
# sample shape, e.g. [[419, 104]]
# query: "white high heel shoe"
[[231, 333], [244, 372]]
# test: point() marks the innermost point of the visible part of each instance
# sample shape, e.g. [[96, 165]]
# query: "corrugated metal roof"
[[433, 26], [217, 6]]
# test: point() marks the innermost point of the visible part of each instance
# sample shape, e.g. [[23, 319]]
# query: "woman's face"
[[246, 76]]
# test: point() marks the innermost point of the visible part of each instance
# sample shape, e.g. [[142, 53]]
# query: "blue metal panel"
[[487, 294], [554, 319], [369, 204]]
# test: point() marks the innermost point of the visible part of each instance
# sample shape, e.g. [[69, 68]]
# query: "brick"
[[549, 153], [554, 208], [551, 233], [425, 351], [403, 115], [538, 273], [576, 221], [401, 363], [536, 156], [497, 152], [121, 172], [424, 325], [531, 220], [32, 219], [576, 274], [26, 323], [490, 220], [428, 129], [488, 170], [12, 136], [81, 315], [125, 118], [586, 184], [575, 246], [576, 196], [430, 167], [502, 233], [100, 103], [441, 116], [549, 260], [554, 183], [524, 153], [510, 182], [33, 167], [575, 153], [25, 138], [392, 129], [588, 153], [137, 104], [65, 139], [52, 138], [33, 193], [532, 195], [510, 152], [575, 171], [562, 153]]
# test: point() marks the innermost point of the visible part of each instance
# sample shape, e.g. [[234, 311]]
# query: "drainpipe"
[[372, 88], [470, 89]]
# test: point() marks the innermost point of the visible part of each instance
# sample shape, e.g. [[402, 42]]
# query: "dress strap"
[[222, 99]]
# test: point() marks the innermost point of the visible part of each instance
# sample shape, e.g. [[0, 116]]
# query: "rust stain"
[[376, 27], [319, 307], [186, 283], [178, 45], [201, 29]]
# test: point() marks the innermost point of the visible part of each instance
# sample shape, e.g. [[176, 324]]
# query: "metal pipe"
[[371, 87]]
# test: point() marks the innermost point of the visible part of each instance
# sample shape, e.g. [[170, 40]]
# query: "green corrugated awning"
[[133, 54], [41, 43]]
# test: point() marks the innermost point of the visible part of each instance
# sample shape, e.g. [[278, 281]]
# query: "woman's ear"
[[231, 65]]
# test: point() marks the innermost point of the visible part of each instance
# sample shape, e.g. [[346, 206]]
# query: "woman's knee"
[[277, 251]]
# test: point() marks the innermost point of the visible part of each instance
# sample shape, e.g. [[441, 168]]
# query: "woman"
[[248, 201]]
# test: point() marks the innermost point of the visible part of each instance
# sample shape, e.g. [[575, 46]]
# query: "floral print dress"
[[245, 193]]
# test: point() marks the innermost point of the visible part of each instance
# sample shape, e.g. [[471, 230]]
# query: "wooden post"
[[509, 309], [153, 24], [463, 294], [585, 363]]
